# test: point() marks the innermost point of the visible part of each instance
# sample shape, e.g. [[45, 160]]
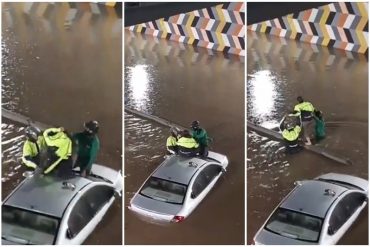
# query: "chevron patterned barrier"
[[219, 28], [339, 25]]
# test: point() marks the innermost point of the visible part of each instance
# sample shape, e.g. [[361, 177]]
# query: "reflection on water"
[[139, 79], [11, 144], [183, 83], [336, 82], [263, 92]]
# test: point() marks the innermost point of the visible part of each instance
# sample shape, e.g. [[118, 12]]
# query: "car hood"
[[155, 206], [355, 181], [264, 237]]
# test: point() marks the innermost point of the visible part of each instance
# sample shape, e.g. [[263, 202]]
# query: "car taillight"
[[178, 219]]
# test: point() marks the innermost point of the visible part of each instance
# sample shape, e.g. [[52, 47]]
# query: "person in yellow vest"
[[59, 152], [291, 130], [187, 145], [32, 147], [306, 110], [171, 142]]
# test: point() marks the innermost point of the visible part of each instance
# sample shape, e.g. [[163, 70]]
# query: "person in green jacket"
[[88, 145], [58, 153], [201, 136], [319, 126], [32, 147]]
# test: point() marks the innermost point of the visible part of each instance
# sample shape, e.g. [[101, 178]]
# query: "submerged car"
[[317, 211], [177, 186], [50, 210]]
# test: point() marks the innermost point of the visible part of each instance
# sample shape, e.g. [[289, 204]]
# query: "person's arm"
[[27, 152], [66, 151], [52, 166]]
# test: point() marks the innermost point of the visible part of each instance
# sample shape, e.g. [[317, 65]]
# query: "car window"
[[200, 183], [98, 196], [87, 207], [164, 190], [26, 227], [344, 210], [211, 172], [295, 225]]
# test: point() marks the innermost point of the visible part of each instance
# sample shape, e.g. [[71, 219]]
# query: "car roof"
[[46, 194], [310, 197], [179, 169]]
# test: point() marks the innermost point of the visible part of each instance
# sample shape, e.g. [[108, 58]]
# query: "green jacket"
[[319, 128], [88, 148], [201, 137]]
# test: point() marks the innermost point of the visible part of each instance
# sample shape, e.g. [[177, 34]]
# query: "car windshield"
[[164, 190], [25, 227], [295, 225]]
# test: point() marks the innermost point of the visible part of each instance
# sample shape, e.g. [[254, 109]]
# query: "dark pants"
[[82, 164], [203, 151], [189, 152], [292, 147]]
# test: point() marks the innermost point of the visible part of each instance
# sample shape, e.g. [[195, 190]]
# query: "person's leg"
[[64, 168], [306, 132]]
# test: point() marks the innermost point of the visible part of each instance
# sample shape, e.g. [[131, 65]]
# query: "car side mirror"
[[330, 230], [69, 234], [192, 195]]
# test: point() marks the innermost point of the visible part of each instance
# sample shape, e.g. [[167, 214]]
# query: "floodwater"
[[182, 83], [336, 82], [62, 65]]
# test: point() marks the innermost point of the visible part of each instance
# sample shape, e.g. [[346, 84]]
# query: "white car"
[[177, 187], [50, 210], [318, 211]]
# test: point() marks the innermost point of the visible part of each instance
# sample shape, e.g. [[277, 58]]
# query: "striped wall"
[[220, 28], [339, 25]]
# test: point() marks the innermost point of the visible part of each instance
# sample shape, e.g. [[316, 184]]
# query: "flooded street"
[[183, 83], [336, 83], [62, 66]]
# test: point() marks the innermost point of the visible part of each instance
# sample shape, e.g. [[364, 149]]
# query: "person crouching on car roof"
[[58, 159], [87, 145], [171, 143], [201, 136], [291, 130], [32, 147], [187, 145]]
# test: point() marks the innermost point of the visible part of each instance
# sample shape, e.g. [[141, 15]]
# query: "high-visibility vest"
[[292, 135], [32, 149], [171, 141], [306, 110], [187, 142], [62, 142]]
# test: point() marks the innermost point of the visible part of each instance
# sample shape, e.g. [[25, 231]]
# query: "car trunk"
[[265, 237], [154, 208]]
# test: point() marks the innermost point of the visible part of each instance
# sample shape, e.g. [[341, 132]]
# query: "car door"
[[342, 216], [86, 213], [203, 183]]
